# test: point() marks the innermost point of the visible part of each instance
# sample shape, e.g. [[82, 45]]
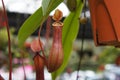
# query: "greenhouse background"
[[98, 62]]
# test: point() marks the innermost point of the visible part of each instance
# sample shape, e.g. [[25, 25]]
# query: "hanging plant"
[[63, 37], [69, 31]]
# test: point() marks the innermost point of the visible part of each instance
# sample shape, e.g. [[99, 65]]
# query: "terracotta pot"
[[105, 17]]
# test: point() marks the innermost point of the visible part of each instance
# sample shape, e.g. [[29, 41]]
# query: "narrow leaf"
[[33, 22], [45, 4], [54, 4], [70, 31], [50, 5], [29, 26]]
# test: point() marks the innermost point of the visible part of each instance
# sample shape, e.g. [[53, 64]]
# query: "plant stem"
[[9, 41], [23, 66], [48, 29], [42, 47], [40, 42]]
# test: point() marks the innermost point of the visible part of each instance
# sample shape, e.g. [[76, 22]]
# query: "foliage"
[[4, 38], [70, 29], [36, 20], [16, 52], [109, 55]]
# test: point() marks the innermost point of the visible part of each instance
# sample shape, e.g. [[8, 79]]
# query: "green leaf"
[[70, 31], [54, 4], [33, 22], [50, 5], [29, 26], [45, 4]]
